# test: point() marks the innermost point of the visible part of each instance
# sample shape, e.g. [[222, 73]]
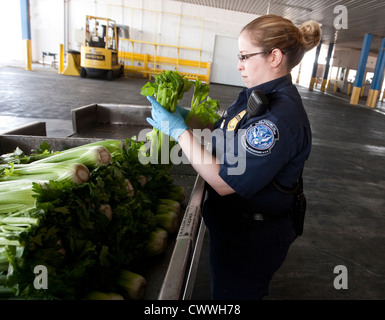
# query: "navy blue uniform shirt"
[[255, 151]]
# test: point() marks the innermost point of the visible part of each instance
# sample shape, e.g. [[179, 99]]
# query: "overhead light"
[[292, 6], [335, 36]]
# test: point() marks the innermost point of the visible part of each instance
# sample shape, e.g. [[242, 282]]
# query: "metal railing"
[[148, 65]]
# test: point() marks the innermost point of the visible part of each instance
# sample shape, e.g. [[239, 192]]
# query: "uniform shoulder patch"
[[260, 137]]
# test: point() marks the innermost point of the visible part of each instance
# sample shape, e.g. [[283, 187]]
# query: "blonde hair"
[[271, 31]]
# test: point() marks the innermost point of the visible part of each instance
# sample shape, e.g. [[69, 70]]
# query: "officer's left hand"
[[169, 123]]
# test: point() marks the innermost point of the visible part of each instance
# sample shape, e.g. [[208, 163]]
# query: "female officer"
[[246, 214]]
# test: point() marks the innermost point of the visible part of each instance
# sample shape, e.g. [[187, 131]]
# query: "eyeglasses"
[[244, 57]]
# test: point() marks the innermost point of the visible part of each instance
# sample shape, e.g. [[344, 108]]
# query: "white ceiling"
[[363, 16]]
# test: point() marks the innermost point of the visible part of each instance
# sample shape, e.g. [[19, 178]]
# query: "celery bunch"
[[168, 88]]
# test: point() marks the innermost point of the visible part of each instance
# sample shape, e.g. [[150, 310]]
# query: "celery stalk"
[[90, 156], [3, 279], [6, 242], [16, 200], [19, 221], [37, 171], [110, 145], [3, 260], [6, 292]]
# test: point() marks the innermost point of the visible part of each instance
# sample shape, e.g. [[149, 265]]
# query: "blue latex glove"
[[169, 123], [184, 112]]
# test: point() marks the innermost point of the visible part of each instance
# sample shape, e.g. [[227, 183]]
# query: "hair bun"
[[311, 34]]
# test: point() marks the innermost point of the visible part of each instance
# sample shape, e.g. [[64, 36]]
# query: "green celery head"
[[157, 242], [133, 284], [171, 204], [168, 221]]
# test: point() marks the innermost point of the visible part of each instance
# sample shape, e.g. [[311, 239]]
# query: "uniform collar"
[[270, 86]]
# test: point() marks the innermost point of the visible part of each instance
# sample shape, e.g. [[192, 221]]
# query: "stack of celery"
[[88, 215]]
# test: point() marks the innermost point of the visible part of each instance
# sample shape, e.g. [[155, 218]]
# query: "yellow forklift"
[[99, 53]]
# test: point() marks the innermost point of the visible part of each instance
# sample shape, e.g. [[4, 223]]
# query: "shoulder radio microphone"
[[257, 104]]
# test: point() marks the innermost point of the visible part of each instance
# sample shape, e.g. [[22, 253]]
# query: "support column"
[[361, 69], [61, 58], [315, 67], [374, 91], [327, 66], [299, 72], [26, 32], [349, 89]]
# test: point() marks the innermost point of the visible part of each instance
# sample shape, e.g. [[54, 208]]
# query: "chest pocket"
[[232, 124]]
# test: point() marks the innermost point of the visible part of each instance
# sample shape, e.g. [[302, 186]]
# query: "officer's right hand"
[[169, 123]]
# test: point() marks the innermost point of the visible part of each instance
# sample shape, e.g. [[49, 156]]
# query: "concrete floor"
[[344, 178]]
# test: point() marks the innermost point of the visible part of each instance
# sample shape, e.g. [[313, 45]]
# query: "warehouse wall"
[[150, 20], [348, 58], [10, 24], [47, 25]]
